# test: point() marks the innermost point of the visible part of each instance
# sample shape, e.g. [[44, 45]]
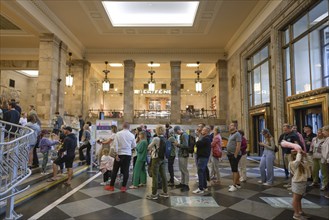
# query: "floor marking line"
[[58, 201]]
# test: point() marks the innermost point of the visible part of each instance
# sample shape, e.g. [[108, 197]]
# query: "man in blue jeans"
[[203, 153]]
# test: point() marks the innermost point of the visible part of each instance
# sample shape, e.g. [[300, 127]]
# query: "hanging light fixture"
[[151, 82], [106, 82], [198, 81], [69, 75]]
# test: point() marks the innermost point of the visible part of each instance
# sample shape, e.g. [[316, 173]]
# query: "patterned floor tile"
[[55, 214], [258, 209], [117, 198], [110, 213], [82, 207], [96, 191], [226, 200], [140, 208], [241, 193], [170, 214], [201, 212], [229, 214], [76, 197]]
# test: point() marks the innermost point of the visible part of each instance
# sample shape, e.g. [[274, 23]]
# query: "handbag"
[[53, 154], [112, 152]]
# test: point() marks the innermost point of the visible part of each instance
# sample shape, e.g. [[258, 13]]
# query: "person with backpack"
[[158, 150], [267, 161], [243, 160], [183, 153]]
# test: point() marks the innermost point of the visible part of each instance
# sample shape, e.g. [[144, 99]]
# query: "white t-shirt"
[[126, 142], [23, 121]]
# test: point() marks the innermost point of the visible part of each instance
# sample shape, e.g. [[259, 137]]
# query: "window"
[[259, 77], [306, 51]]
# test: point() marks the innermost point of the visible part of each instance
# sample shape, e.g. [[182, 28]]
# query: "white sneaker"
[[206, 189], [287, 185], [267, 184], [103, 183], [259, 181], [236, 186], [232, 189], [198, 191]]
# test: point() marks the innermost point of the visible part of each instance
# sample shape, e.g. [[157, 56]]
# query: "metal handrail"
[[14, 151]]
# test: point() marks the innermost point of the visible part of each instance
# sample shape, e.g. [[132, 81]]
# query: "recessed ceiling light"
[[153, 64], [30, 73], [192, 65], [151, 13], [116, 64], [115, 89]]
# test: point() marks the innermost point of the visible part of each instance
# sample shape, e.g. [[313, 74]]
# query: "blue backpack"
[[164, 148]]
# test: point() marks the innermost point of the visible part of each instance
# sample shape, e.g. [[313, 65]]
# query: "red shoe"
[[109, 188], [123, 189]]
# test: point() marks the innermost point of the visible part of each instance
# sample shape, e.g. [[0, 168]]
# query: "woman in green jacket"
[[139, 169]]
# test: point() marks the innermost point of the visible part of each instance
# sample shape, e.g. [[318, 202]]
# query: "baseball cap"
[[68, 128], [265, 131], [177, 128]]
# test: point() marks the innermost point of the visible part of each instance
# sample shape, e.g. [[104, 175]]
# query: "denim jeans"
[[202, 166]]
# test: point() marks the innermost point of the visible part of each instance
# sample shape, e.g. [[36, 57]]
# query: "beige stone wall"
[[24, 91]]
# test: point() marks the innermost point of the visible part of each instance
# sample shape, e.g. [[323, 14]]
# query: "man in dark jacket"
[[11, 116], [67, 154], [203, 146]]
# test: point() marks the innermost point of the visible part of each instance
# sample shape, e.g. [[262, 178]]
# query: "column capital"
[[129, 63], [175, 63], [221, 64]]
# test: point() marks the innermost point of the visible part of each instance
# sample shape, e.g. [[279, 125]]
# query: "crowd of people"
[[305, 156]]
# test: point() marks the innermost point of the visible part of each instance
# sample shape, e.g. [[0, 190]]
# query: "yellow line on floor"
[[51, 184]]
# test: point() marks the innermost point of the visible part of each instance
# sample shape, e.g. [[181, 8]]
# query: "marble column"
[[222, 90], [175, 116], [128, 99], [51, 80], [77, 97]]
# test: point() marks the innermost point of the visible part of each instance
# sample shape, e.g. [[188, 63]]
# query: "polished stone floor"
[[86, 199]]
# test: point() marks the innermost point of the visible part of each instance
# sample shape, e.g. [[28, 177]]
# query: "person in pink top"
[[301, 138], [216, 154]]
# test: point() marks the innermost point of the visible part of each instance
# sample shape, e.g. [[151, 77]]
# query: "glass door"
[[258, 126]]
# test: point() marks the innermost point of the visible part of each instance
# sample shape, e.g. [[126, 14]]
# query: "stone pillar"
[[222, 89], [51, 80], [175, 116], [77, 97], [128, 98]]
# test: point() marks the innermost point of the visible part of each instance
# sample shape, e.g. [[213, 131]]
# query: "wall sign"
[[158, 91]]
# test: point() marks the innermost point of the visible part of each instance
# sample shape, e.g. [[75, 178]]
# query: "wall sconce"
[[69, 75], [106, 82], [198, 81]]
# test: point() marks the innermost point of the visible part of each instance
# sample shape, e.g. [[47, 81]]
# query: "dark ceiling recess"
[[5, 24]]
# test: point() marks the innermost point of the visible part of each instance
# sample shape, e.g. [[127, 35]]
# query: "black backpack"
[[191, 144], [164, 148]]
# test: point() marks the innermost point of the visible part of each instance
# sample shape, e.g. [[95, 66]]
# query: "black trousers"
[[35, 161], [82, 156], [171, 161], [123, 164], [107, 175]]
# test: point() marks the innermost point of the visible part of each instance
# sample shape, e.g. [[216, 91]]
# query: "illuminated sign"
[[158, 91]]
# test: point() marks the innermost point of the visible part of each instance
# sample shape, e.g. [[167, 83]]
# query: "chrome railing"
[[13, 163]]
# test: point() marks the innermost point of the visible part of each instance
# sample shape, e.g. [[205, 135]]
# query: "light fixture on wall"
[[106, 82], [198, 81], [151, 82], [69, 75]]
